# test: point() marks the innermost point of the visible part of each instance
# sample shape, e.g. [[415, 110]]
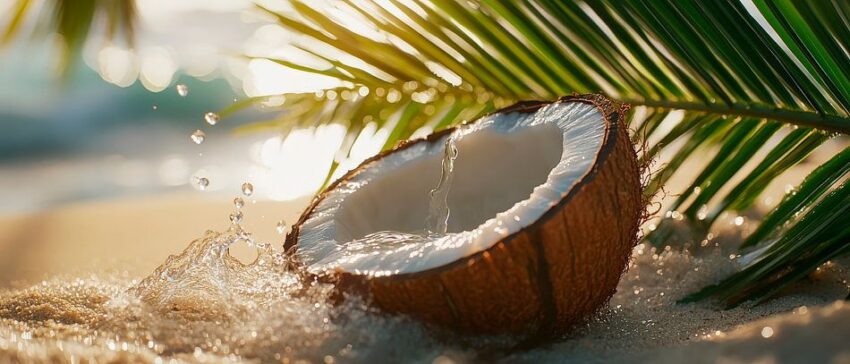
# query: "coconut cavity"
[[509, 169]]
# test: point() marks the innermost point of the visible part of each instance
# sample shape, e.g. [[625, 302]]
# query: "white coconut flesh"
[[511, 168]]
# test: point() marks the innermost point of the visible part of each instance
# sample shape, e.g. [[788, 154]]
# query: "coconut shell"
[[544, 278]]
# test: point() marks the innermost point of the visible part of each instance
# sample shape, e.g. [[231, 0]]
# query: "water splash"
[[202, 305], [438, 211], [182, 90], [211, 118], [247, 189], [201, 182], [205, 270], [198, 136], [236, 217]]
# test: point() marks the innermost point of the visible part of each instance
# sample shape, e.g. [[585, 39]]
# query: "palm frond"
[[715, 81], [821, 234], [72, 20]]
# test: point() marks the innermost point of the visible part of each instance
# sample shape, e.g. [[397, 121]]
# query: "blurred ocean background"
[[97, 165], [116, 126]]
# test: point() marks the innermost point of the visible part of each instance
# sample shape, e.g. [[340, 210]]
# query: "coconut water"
[[413, 243], [438, 208]]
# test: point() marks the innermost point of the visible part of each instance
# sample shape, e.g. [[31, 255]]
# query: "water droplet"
[[211, 118], [236, 217], [198, 136], [202, 183], [182, 90], [238, 202], [247, 189], [766, 332], [281, 227]]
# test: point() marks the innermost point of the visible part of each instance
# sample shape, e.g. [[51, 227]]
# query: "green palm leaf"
[[72, 20], [718, 78]]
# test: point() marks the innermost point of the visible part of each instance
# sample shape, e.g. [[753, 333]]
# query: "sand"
[[210, 308]]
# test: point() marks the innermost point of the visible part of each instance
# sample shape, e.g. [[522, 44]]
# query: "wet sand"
[[84, 310]]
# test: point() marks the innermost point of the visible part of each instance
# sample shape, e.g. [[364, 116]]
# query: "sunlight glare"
[[354, 22], [369, 142], [152, 9], [296, 165], [444, 73], [158, 68], [672, 119], [268, 78], [117, 66]]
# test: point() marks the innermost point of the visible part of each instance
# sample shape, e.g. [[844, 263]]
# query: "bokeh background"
[[96, 162]]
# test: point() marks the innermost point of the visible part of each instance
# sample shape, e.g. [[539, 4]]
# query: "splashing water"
[[206, 270], [236, 217], [247, 189], [201, 182], [211, 118], [182, 90], [438, 212], [201, 305], [198, 136]]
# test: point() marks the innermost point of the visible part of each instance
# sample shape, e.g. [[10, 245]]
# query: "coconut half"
[[544, 209]]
